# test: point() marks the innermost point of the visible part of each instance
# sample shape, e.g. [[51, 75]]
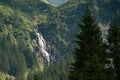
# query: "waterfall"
[[44, 52], [104, 31], [40, 47]]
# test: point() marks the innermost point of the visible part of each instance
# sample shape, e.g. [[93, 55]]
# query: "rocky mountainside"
[[34, 34]]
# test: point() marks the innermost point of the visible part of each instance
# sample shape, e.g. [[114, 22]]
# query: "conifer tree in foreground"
[[90, 54], [114, 42]]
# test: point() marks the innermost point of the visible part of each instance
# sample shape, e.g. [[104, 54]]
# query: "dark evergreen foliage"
[[89, 56], [13, 61], [19, 17], [114, 43]]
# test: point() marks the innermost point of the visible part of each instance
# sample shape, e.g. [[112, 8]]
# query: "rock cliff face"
[[44, 52]]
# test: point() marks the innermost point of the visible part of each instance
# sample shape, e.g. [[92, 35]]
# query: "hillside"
[[26, 26]]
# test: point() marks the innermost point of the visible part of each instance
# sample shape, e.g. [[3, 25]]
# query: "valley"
[[37, 38]]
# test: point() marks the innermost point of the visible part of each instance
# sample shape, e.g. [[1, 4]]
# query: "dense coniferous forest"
[[72, 58], [89, 57]]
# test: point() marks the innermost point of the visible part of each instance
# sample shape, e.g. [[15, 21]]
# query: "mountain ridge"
[[58, 26]]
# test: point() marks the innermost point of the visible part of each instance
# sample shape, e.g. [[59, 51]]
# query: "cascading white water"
[[45, 52], [41, 52], [41, 41], [104, 30]]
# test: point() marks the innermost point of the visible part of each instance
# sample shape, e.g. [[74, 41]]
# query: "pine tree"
[[89, 56], [114, 42]]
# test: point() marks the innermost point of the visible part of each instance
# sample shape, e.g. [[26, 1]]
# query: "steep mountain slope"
[[15, 42], [32, 33], [63, 20], [21, 46]]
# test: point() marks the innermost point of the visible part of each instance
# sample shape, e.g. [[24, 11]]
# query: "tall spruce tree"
[[90, 54], [114, 43]]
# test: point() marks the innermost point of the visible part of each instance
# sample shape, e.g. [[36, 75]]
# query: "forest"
[[81, 40]]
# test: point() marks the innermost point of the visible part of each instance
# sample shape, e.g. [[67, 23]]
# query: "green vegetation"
[[15, 52], [4, 76], [114, 46], [58, 26], [56, 71], [89, 57]]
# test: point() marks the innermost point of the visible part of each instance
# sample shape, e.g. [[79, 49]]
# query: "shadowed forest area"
[[76, 40]]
